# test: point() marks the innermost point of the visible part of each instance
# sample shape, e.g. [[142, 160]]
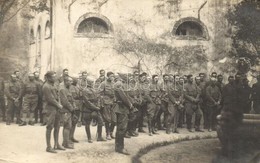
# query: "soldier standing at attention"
[[30, 93], [256, 95], [175, 106], [13, 93], [68, 108], [91, 110], [192, 96], [19, 108], [77, 112], [213, 98], [39, 108], [122, 109], [52, 108], [106, 91]]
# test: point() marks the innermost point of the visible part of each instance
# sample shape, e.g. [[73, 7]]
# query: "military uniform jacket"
[[213, 95], [124, 104], [13, 90], [176, 94], [145, 93], [50, 97], [192, 92], [155, 93], [90, 100], [229, 94], [165, 87], [31, 90], [66, 99], [134, 95], [106, 91], [76, 96]]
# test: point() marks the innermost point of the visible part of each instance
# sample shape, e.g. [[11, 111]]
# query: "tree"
[[245, 20]]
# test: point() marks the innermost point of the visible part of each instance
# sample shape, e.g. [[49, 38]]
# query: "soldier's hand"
[[60, 106]]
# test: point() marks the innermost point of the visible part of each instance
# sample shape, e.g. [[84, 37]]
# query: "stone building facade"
[[89, 35]]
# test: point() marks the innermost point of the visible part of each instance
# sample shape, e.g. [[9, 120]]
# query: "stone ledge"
[[137, 157]]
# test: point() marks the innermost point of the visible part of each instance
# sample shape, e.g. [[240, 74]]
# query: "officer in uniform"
[[192, 96], [39, 108], [213, 99], [106, 91], [2, 98], [175, 106], [69, 106], [244, 96], [30, 93], [102, 77], [52, 107], [122, 109], [91, 110], [13, 93], [256, 95]]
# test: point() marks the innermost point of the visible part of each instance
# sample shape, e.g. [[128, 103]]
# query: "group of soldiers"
[[124, 101]]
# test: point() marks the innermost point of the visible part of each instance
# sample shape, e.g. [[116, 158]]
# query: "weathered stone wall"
[[151, 21]]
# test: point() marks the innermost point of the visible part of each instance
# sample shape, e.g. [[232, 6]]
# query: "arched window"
[[93, 25], [47, 29], [190, 29]]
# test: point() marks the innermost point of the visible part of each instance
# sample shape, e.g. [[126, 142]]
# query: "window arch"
[[93, 25], [190, 29], [47, 30]]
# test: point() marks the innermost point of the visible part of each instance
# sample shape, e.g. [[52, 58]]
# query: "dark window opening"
[[93, 25], [190, 28]]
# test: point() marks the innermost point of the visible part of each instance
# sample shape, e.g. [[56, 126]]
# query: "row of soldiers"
[[176, 98]]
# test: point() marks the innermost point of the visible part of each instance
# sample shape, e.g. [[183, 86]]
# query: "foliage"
[[245, 19]]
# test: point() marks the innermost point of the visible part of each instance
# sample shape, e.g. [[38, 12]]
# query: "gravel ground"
[[27, 145]]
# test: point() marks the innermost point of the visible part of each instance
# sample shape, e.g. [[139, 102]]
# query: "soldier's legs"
[[18, 112], [50, 119], [176, 120], [141, 119], [169, 122], [25, 111], [75, 118], [215, 113], [189, 113], [2, 106], [100, 124], [9, 111], [88, 119], [154, 119], [198, 115], [122, 120], [56, 129], [66, 130]]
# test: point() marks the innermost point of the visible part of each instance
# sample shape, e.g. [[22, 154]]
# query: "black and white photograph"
[[129, 81]]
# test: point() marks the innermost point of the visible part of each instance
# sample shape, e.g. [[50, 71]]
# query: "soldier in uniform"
[[244, 96], [30, 93], [13, 93], [52, 107], [213, 98], [220, 83], [122, 109], [18, 109], [175, 106], [135, 98], [68, 108], [192, 96], [166, 85], [77, 112], [256, 95], [107, 94], [91, 110], [180, 81], [2, 98], [39, 108], [155, 93]]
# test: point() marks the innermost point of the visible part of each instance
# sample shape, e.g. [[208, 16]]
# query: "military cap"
[[109, 73], [189, 76]]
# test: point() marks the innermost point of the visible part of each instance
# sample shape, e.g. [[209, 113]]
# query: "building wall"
[[153, 20]]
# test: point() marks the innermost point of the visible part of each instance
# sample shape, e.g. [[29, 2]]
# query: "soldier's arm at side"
[[64, 100], [208, 95], [123, 97]]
